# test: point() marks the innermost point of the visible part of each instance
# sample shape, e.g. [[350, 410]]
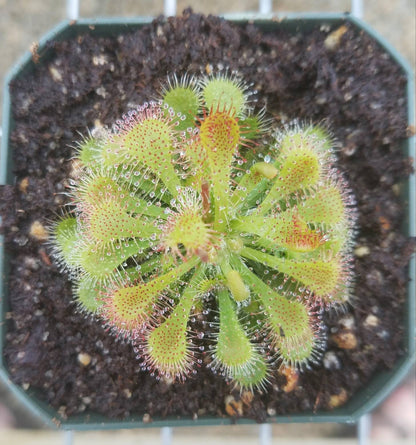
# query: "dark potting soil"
[[352, 86]]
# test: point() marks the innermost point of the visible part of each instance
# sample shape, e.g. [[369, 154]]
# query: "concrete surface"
[[24, 21]]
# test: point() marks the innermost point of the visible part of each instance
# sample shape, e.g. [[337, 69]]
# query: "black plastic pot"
[[363, 402]]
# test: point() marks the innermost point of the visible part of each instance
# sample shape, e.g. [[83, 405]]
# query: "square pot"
[[382, 383]]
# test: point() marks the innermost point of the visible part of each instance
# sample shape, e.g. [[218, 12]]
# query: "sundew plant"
[[195, 206]]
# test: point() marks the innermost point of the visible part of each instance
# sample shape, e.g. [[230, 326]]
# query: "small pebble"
[[84, 358], [371, 321], [101, 59], [320, 100], [349, 149], [384, 223], [292, 377], [384, 335], [55, 74], [396, 189], [271, 411], [374, 278], [345, 340], [38, 231], [247, 397], [31, 263], [361, 251], [331, 361], [146, 418], [338, 399], [233, 407], [62, 412], [347, 322], [159, 31], [127, 393], [24, 184], [347, 96], [101, 91], [334, 39]]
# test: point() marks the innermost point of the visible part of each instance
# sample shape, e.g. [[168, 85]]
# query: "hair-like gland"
[[258, 173], [291, 328], [64, 238], [321, 277], [102, 262], [293, 233], [195, 157], [185, 226], [94, 187], [167, 348], [114, 224], [225, 93], [286, 230], [291, 214], [299, 169], [128, 308], [290, 323], [147, 137], [301, 349], [88, 295], [108, 221], [303, 161], [220, 135], [183, 96], [296, 136], [234, 353], [254, 375], [323, 206], [83, 258], [89, 149]]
